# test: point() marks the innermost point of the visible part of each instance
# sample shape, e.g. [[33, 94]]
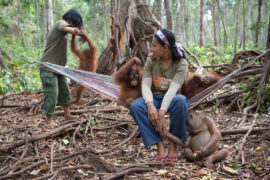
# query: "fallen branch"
[[135, 131], [242, 131], [241, 152], [128, 171], [83, 166], [55, 131], [34, 165], [90, 110]]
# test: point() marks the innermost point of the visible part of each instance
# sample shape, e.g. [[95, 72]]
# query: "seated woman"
[[164, 73]]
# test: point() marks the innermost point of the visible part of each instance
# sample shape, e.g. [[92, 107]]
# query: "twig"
[[245, 111], [55, 131], [23, 153], [117, 109], [52, 156], [242, 131], [127, 171], [123, 142], [241, 152], [27, 168], [83, 166]]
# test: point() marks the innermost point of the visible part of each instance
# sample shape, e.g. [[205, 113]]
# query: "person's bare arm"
[[73, 30]]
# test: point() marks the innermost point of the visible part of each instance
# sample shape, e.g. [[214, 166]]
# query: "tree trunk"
[[244, 26], [37, 24], [177, 28], [106, 21], [214, 23], [267, 56], [236, 29], [224, 27], [138, 23], [159, 11], [49, 16], [20, 25], [168, 9], [219, 28], [185, 24], [249, 20], [201, 23], [258, 22], [2, 61]]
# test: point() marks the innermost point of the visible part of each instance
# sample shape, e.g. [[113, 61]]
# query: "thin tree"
[[214, 23], [223, 24], [236, 27], [49, 16], [37, 24], [244, 26], [258, 22], [249, 19], [168, 9], [159, 11], [201, 23], [177, 28]]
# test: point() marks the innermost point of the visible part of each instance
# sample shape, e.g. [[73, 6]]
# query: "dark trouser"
[[56, 91], [178, 112]]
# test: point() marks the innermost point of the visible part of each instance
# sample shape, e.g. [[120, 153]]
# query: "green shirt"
[[163, 76], [56, 48]]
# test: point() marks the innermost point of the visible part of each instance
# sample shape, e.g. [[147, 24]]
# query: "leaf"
[[65, 141], [119, 161], [259, 148], [42, 167], [229, 170], [252, 166], [199, 173], [35, 172], [81, 172], [237, 165], [162, 172]]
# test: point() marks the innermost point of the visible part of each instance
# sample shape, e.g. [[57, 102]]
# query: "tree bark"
[[236, 29], [201, 23], [249, 20], [49, 16], [106, 21], [244, 26], [177, 28], [37, 24], [168, 9], [159, 11], [186, 18], [214, 23], [258, 22], [224, 27], [137, 22], [20, 25]]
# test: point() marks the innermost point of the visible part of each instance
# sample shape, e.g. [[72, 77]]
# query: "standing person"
[[164, 73], [55, 86]]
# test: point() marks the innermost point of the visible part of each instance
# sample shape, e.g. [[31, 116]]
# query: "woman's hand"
[[152, 113], [160, 128]]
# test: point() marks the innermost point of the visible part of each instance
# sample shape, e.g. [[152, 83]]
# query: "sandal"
[[159, 159], [171, 159]]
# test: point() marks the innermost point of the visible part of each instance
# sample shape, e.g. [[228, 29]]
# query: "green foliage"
[[209, 55], [24, 69]]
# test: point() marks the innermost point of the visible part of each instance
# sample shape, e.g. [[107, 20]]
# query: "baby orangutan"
[[196, 83], [88, 62], [203, 140], [129, 77]]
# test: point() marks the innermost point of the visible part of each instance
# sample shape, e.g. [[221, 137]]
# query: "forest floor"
[[104, 143]]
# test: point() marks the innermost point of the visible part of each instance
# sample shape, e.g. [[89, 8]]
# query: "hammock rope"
[[99, 83]]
